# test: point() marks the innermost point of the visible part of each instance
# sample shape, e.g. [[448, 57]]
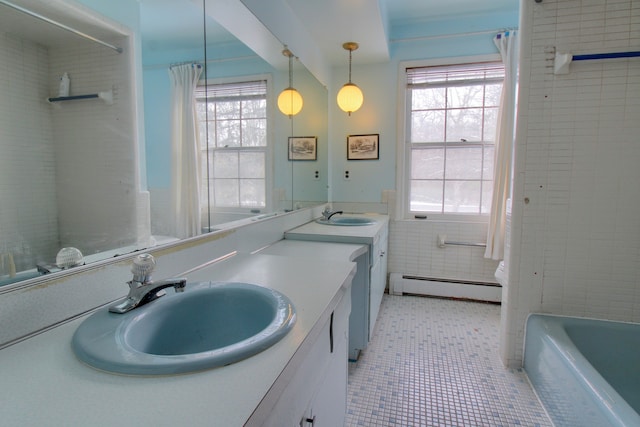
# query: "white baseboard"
[[400, 284]]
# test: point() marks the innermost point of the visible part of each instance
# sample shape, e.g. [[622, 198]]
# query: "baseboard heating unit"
[[404, 284]]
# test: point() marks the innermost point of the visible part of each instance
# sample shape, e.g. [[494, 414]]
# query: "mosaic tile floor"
[[435, 362]]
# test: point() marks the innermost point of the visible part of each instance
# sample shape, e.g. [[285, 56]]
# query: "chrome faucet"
[[142, 289], [327, 214]]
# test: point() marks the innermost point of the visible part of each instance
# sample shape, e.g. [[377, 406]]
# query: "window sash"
[[441, 190]]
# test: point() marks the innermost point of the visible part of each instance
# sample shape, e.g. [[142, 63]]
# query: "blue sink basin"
[[207, 326], [346, 221]]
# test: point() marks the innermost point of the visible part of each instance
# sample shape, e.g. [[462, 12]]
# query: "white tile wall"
[[95, 148], [161, 211], [28, 217], [66, 167], [413, 250], [576, 244]]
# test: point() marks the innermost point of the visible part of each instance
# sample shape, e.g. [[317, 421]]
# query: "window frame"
[[403, 148], [268, 150]]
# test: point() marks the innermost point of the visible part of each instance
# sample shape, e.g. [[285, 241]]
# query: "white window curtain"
[[185, 181], [507, 43]]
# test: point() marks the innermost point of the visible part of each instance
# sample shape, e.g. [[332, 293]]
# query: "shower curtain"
[[185, 181], [507, 44]]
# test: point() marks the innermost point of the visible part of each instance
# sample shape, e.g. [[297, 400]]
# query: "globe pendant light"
[[350, 97], [290, 100]]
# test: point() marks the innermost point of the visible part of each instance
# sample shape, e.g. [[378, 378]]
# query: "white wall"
[[69, 170], [413, 250], [28, 217], [95, 149], [576, 244]]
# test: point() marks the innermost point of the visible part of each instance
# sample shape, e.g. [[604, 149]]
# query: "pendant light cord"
[[350, 52], [290, 69]]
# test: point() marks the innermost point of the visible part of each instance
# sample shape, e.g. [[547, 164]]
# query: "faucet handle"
[[142, 267]]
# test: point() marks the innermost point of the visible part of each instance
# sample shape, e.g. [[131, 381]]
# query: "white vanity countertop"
[[44, 384], [336, 233], [322, 250]]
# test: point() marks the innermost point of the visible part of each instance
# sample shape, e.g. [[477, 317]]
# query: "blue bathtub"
[[585, 371]]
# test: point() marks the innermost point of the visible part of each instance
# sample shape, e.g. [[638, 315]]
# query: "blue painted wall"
[[311, 121], [157, 95], [126, 12], [379, 113]]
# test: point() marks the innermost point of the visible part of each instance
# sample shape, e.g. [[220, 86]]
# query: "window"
[[235, 152], [450, 127]]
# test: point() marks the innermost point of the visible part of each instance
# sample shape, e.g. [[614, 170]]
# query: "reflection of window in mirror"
[[234, 117]]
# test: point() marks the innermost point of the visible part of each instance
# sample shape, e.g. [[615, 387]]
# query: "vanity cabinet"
[[316, 394], [304, 375], [366, 295]]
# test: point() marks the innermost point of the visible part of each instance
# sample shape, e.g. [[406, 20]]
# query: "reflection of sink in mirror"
[[208, 325], [346, 221]]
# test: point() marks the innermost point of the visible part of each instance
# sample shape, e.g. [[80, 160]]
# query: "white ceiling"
[[334, 22]]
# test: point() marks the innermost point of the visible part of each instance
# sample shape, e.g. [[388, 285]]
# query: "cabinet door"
[[329, 405], [359, 320], [378, 278], [318, 387]]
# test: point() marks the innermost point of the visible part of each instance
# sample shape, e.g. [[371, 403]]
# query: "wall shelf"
[[107, 97]]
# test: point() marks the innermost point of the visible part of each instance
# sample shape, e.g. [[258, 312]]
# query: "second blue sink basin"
[[209, 325], [346, 221]]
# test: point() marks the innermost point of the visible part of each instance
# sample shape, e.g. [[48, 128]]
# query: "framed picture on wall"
[[363, 147], [303, 148]]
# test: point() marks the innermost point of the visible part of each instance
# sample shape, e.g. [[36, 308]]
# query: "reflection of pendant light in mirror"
[[290, 100], [350, 96]]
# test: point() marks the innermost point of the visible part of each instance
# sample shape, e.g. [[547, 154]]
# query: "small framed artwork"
[[363, 147], [303, 148]]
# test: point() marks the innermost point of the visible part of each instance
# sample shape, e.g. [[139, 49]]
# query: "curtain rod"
[[446, 36], [209, 61], [60, 25]]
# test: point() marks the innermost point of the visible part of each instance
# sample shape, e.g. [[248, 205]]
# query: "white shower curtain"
[[185, 181], [507, 43]]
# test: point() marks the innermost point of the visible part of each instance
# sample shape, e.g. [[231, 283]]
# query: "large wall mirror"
[[88, 173]]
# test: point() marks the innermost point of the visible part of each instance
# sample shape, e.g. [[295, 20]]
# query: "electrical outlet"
[[316, 176], [347, 175]]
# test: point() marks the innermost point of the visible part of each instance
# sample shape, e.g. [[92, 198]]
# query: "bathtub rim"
[[614, 407]]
